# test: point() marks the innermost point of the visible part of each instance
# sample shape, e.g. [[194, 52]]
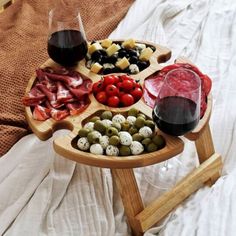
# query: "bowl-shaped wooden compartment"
[[65, 145]]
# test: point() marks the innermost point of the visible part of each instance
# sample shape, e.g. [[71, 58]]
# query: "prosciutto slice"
[[59, 92], [63, 94], [83, 89], [72, 81], [34, 97], [41, 113], [77, 107]]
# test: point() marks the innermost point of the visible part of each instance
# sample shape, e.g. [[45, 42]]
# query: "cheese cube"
[[94, 47], [106, 43], [130, 43], [112, 49], [96, 67], [146, 54], [123, 63]]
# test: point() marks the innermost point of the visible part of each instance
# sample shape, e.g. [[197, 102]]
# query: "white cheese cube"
[[130, 43], [94, 47], [123, 63], [112, 49], [106, 43], [146, 54], [96, 67]]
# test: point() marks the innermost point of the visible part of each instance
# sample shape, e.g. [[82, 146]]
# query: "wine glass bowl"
[[177, 107], [67, 43]]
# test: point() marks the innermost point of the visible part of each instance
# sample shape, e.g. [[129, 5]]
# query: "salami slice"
[[152, 85]]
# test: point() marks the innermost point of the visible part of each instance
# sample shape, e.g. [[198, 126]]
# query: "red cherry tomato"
[[127, 100], [97, 87], [101, 97], [125, 77], [127, 85], [137, 93], [116, 78], [113, 101], [119, 85], [109, 79], [137, 85], [111, 90], [121, 93]]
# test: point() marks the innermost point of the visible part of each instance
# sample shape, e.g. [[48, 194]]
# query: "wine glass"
[[177, 109], [67, 43]]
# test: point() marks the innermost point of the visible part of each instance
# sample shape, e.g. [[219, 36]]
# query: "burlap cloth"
[[23, 37]]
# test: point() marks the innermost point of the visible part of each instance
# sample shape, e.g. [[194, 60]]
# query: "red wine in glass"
[[177, 108], [67, 43], [67, 47]]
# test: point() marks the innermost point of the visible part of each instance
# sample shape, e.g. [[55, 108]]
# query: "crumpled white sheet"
[[42, 193]]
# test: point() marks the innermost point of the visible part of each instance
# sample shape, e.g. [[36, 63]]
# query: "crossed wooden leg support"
[[142, 218]]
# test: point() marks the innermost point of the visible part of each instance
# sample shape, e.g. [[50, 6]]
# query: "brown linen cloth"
[[23, 40]]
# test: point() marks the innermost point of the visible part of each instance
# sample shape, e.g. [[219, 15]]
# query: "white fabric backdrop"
[[44, 194]]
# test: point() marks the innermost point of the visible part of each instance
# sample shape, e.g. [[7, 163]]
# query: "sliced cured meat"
[[57, 114], [83, 89], [63, 94], [153, 84], [73, 82], [34, 97], [50, 96], [148, 98], [77, 107], [62, 91], [41, 113]]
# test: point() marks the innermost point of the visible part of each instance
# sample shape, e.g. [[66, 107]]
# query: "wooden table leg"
[[205, 149], [129, 192]]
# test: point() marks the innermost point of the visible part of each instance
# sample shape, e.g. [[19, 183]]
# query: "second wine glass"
[[67, 43]]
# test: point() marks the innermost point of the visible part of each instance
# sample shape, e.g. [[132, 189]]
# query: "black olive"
[[104, 59], [107, 71], [115, 70], [112, 59], [132, 53], [122, 53], [103, 52], [142, 65], [133, 60], [96, 55]]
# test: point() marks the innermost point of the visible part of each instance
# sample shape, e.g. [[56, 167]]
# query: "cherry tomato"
[[127, 85], [111, 90], [113, 101], [137, 84], [125, 77], [116, 78], [97, 87], [137, 93], [121, 93], [127, 100], [119, 85], [101, 97], [109, 79]]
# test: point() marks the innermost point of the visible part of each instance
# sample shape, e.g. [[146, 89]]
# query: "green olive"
[[152, 147], [125, 126], [139, 123], [116, 125], [150, 124], [133, 112], [100, 127], [111, 131], [133, 130], [159, 141], [114, 140], [83, 132], [106, 115], [124, 151], [137, 137], [94, 119], [93, 137]]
